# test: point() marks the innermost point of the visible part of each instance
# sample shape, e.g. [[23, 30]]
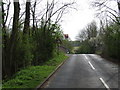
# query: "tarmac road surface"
[[86, 71]]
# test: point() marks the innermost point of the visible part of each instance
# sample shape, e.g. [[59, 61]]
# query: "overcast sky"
[[74, 20]]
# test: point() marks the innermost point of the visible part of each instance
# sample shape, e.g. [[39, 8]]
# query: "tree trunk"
[[13, 38], [34, 16], [26, 29], [3, 41]]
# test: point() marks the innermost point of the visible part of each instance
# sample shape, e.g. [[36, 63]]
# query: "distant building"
[[66, 36]]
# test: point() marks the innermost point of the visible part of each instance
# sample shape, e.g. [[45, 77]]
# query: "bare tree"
[[89, 32], [108, 11], [50, 12]]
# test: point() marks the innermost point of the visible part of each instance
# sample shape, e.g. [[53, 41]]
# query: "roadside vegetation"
[[103, 39], [31, 41], [32, 76]]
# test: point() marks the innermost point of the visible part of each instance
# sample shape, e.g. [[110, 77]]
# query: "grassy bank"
[[34, 75]]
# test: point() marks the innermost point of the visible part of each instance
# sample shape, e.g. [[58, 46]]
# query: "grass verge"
[[34, 75]]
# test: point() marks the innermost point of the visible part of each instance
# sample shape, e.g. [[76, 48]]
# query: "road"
[[85, 71]]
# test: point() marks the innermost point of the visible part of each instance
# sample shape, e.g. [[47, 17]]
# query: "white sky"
[[74, 20]]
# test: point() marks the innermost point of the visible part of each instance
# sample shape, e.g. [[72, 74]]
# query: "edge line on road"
[[104, 83], [91, 65]]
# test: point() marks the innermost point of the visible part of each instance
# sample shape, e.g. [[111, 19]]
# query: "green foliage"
[[23, 51], [85, 48], [22, 55], [56, 60], [112, 40], [29, 77], [106, 41], [24, 45], [33, 49], [87, 39], [68, 45], [32, 76], [45, 43]]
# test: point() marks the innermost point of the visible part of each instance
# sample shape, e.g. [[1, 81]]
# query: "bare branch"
[[10, 22], [8, 7], [62, 7], [22, 15], [113, 19], [60, 14]]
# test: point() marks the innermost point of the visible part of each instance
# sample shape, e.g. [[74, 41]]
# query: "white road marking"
[[89, 62], [86, 57], [104, 84], [91, 65]]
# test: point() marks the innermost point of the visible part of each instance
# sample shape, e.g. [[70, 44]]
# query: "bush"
[[32, 76], [85, 48], [112, 40]]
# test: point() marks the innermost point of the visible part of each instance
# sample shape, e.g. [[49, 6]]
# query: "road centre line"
[[89, 62], [106, 86], [86, 57], [91, 65], [104, 83]]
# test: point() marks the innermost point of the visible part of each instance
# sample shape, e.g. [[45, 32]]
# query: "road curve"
[[85, 71]]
